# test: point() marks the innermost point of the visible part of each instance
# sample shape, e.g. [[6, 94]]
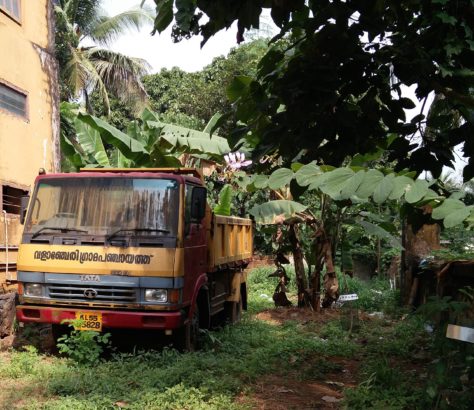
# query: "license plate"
[[90, 321]]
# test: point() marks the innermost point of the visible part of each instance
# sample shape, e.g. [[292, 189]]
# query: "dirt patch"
[[274, 392], [303, 316], [325, 377]]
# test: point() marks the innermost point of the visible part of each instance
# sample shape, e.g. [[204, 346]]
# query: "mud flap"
[[7, 313]]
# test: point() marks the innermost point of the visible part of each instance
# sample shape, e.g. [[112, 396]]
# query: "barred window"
[[11, 7], [10, 199], [12, 100]]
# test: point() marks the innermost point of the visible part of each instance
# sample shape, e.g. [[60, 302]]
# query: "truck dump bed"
[[230, 242]]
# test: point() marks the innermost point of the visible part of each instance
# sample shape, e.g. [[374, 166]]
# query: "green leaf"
[[306, 173], [335, 181], [238, 87], [371, 180], [131, 148], [447, 207], [296, 166], [317, 181], [225, 201], [416, 191], [457, 217], [188, 140], [276, 211], [446, 18], [384, 189], [90, 141], [381, 233], [164, 15], [400, 185], [260, 181], [280, 178], [352, 185], [213, 123]]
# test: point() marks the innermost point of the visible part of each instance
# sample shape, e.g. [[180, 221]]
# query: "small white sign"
[[347, 298], [465, 334]]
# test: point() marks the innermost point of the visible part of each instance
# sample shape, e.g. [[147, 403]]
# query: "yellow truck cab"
[[131, 249]]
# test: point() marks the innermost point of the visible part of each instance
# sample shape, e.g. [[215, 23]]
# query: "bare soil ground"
[[288, 392]]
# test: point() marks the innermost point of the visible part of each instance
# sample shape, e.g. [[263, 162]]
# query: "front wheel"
[[187, 337]]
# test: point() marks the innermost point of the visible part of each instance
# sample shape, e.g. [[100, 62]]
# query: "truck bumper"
[[110, 319]]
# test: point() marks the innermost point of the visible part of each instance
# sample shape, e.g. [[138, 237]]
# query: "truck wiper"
[[56, 228], [109, 237]]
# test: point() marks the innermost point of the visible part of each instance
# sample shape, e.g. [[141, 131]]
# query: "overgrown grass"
[[231, 362]]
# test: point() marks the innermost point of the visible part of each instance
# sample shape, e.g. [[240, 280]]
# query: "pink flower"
[[236, 160]]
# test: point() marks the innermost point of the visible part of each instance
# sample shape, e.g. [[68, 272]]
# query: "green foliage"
[[191, 99], [85, 69], [225, 201], [374, 295], [386, 387], [145, 143], [236, 358], [83, 346], [456, 359], [22, 363], [276, 211], [332, 91], [344, 184]]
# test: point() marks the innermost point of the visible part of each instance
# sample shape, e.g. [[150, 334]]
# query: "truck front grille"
[[93, 293]]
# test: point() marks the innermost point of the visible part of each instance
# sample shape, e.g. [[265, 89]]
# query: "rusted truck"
[[131, 249]]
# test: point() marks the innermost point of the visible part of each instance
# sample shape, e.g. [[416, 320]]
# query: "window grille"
[[12, 100], [11, 7]]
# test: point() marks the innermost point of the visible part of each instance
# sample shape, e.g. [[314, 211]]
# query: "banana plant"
[[347, 186], [88, 141]]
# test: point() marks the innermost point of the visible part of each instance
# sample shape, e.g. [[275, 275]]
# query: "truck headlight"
[[33, 289], [156, 295]]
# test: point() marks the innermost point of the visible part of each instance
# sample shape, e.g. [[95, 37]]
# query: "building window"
[[13, 100], [11, 7], [11, 199]]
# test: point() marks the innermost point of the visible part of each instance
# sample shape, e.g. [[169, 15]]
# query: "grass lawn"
[[282, 358]]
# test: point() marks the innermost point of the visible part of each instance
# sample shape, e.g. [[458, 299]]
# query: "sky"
[[160, 51]]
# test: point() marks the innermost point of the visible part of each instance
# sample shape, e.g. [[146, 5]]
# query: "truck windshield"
[[104, 206]]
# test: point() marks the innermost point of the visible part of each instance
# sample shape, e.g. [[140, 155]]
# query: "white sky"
[[160, 51]]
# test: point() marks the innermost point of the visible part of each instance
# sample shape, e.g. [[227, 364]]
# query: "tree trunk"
[[299, 265], [323, 257], [331, 284], [418, 245]]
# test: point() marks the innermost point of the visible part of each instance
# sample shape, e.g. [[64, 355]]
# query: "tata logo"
[[89, 278], [90, 293]]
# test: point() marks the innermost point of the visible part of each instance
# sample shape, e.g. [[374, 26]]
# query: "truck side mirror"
[[23, 208], [198, 203]]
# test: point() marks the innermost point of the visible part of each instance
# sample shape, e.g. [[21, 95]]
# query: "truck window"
[[102, 205]]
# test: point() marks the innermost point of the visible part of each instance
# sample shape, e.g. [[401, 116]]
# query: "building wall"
[[27, 50], [27, 64]]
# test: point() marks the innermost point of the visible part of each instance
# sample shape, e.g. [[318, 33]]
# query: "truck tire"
[[58, 331], [7, 313], [187, 337]]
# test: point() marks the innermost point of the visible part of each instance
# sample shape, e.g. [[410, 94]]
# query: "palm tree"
[[82, 27]]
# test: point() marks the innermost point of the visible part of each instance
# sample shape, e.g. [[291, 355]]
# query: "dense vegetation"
[[384, 362], [336, 87]]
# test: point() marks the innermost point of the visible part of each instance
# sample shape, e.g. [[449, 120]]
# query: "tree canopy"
[[335, 89], [84, 69]]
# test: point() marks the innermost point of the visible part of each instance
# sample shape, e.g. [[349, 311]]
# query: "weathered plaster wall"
[[27, 62]]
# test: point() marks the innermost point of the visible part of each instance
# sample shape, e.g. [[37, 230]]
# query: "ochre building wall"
[[27, 64]]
